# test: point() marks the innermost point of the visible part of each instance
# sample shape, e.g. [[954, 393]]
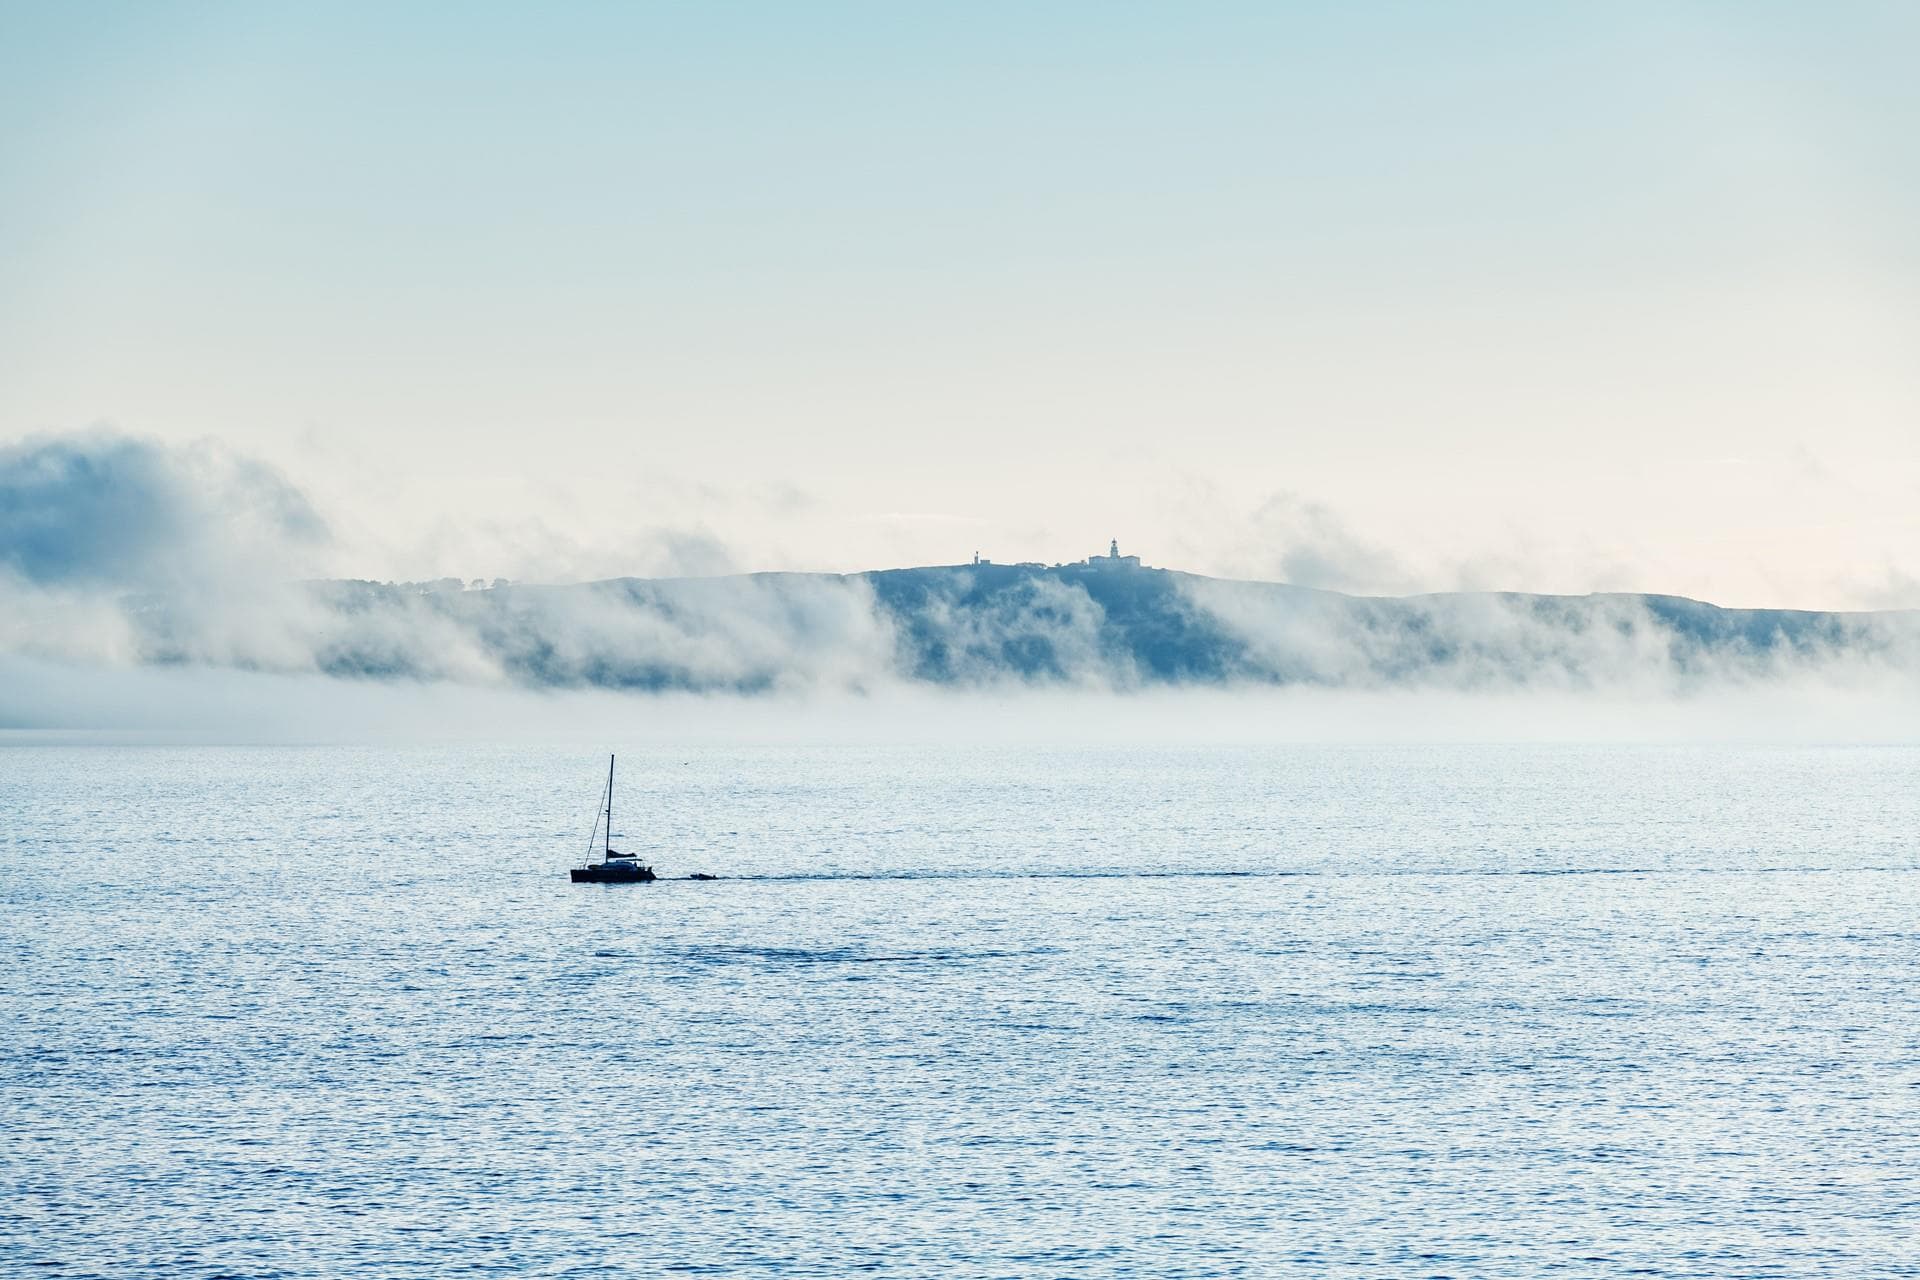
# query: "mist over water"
[[52, 702], [965, 1010]]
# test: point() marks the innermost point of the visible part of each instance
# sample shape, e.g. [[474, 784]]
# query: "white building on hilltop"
[[1113, 559]]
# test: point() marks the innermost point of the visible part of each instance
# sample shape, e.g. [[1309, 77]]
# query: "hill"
[[983, 625]]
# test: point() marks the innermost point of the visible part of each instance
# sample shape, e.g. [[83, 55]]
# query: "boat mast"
[[609, 845]]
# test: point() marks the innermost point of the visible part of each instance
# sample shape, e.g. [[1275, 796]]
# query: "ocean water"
[[956, 1012]]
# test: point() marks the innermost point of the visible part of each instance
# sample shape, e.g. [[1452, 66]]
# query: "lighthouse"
[[1113, 559]]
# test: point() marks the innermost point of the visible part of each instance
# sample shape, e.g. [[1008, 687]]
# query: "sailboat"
[[614, 867]]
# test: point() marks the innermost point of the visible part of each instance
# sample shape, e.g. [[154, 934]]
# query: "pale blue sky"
[[1557, 297]]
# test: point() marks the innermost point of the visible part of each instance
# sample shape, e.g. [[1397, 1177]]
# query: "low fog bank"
[[988, 629], [49, 702]]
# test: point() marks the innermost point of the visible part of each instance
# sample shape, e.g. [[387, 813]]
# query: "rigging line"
[[598, 805]]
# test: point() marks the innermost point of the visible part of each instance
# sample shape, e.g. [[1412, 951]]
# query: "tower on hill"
[[1113, 559]]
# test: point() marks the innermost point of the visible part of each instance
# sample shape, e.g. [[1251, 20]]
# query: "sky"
[[1386, 297]]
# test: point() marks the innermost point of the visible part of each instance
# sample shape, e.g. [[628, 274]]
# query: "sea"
[[960, 1010]]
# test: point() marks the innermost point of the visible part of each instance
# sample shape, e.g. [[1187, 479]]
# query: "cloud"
[[1653, 646], [533, 548], [1295, 540], [98, 527], [954, 628], [1894, 589], [64, 702], [118, 549], [757, 633], [105, 509]]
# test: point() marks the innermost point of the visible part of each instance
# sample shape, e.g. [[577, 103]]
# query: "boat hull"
[[602, 873]]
